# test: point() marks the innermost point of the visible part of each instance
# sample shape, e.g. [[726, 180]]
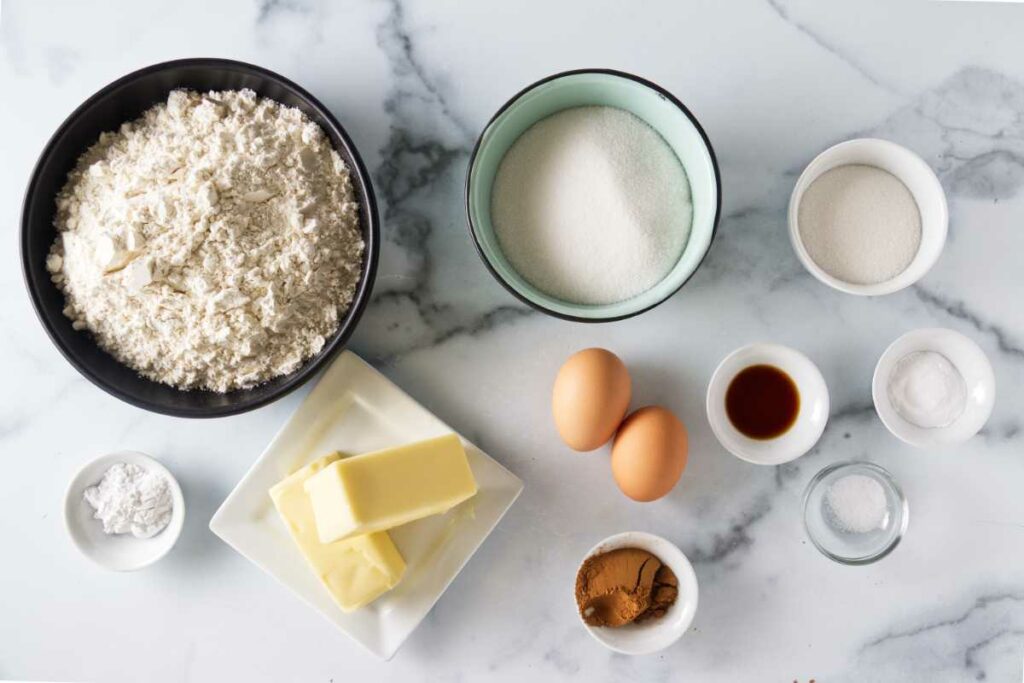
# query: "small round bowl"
[[969, 360], [919, 178], [810, 421], [848, 547], [655, 634], [118, 552], [652, 104], [124, 100]]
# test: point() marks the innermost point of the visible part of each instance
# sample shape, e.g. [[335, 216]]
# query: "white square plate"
[[355, 409]]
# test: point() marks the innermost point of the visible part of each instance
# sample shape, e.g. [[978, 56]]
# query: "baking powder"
[[131, 499]]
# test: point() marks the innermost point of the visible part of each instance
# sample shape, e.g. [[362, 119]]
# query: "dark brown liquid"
[[762, 402]]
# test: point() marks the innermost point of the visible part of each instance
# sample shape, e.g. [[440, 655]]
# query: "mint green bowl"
[[587, 87]]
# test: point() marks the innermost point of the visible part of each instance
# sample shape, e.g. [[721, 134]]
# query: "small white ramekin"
[[972, 363], [913, 172], [810, 420], [652, 635], [120, 552]]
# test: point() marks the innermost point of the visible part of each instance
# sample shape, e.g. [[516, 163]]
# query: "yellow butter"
[[355, 571], [385, 489]]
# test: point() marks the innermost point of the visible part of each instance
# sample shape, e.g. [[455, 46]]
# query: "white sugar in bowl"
[[919, 179]]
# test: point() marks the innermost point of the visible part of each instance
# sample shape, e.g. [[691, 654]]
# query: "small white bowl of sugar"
[[868, 217]]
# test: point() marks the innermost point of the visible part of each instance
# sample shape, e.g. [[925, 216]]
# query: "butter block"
[[385, 489], [356, 571]]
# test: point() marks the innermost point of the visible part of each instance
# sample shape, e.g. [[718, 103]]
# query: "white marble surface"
[[774, 82]]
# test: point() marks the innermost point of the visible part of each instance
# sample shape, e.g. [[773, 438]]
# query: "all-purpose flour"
[[212, 243]]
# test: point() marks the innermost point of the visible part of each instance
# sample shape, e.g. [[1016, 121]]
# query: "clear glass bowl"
[[843, 545]]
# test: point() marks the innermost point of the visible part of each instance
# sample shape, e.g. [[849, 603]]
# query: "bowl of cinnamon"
[[636, 593]]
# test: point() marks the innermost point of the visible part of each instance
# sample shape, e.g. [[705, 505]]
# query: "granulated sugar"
[[860, 224], [591, 206]]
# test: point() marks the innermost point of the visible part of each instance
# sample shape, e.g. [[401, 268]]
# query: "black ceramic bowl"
[[125, 100]]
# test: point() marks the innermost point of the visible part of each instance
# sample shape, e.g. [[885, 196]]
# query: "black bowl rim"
[[610, 72], [360, 299]]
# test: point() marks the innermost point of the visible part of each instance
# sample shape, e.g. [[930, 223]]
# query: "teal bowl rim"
[[608, 72]]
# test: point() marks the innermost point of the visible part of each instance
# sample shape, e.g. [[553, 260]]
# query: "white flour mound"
[[131, 499], [212, 243]]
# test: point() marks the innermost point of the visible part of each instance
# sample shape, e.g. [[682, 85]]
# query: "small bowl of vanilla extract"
[[767, 404]]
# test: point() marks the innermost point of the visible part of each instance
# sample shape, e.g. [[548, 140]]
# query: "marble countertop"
[[773, 82]]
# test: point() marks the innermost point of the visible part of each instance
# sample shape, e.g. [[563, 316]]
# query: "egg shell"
[[649, 453], [590, 397]]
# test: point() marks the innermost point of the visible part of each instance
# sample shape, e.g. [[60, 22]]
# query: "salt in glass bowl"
[[849, 547], [913, 172]]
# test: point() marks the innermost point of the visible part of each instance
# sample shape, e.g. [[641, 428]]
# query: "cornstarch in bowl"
[[131, 499]]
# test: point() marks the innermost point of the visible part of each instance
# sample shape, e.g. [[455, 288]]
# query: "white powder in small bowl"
[[591, 206], [859, 224], [131, 499], [857, 503], [927, 390]]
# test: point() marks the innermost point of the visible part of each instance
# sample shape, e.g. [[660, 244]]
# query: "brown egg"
[[649, 453], [590, 398]]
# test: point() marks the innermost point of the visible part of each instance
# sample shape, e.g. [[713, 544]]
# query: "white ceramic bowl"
[[120, 552], [810, 421], [655, 634], [919, 178], [972, 363]]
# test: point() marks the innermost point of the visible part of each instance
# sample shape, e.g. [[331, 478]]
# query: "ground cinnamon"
[[623, 586]]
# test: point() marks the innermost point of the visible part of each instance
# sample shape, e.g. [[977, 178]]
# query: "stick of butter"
[[356, 571], [385, 489]]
